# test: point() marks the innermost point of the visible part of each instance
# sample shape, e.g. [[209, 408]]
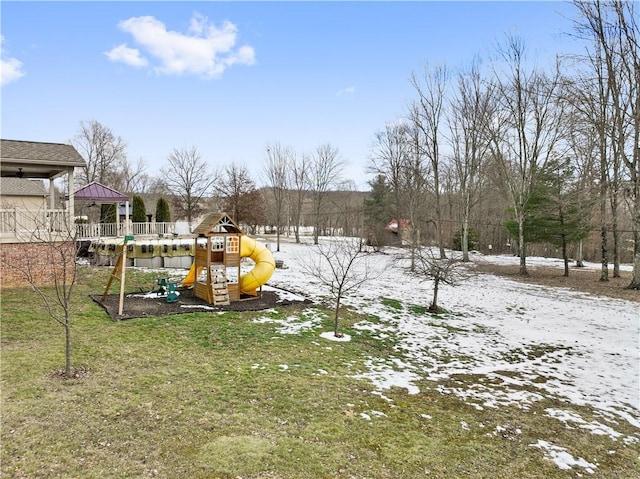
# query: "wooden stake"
[[123, 259]]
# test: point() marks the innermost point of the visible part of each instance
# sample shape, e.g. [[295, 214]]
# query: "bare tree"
[[439, 270], [133, 177], [347, 202], [613, 29], [470, 112], [324, 172], [426, 114], [582, 140], [589, 97], [342, 266], [188, 178], [52, 272], [298, 179], [525, 130], [415, 178], [276, 170], [389, 158], [234, 186], [104, 153]]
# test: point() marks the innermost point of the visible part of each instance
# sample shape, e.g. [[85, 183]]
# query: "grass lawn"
[[208, 395]]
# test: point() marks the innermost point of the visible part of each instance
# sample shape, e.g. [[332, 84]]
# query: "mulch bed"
[[139, 306], [580, 279]]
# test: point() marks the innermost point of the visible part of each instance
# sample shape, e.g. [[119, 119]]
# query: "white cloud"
[[205, 50], [124, 54], [350, 90], [10, 68]]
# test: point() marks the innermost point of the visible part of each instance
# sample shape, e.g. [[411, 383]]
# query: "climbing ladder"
[[220, 287]]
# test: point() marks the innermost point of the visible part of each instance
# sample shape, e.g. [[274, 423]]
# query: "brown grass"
[[579, 279]]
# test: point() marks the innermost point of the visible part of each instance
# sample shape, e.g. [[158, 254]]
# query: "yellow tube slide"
[[259, 275], [191, 277], [262, 271]]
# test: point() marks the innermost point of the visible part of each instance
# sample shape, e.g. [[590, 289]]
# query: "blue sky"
[[232, 77]]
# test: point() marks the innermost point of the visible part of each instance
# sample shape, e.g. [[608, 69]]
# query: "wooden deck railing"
[[24, 223], [102, 230]]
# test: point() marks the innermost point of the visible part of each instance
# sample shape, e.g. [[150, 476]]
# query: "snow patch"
[[562, 458]]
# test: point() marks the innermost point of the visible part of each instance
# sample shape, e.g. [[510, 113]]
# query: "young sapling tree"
[[342, 266], [448, 271], [51, 271]]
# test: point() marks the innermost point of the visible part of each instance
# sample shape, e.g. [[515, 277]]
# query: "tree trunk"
[[579, 255], [616, 248], [604, 272], [434, 304], [614, 224], [443, 255], [635, 280], [68, 370], [522, 247], [465, 228], [565, 256], [278, 221], [316, 229], [336, 316]]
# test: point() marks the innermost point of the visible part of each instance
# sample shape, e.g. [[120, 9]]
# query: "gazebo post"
[[126, 218]]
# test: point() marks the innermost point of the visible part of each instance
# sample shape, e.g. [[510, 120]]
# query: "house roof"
[[36, 159], [98, 192], [393, 225], [217, 223], [21, 187]]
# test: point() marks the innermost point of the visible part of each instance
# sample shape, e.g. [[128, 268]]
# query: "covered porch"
[[21, 218]]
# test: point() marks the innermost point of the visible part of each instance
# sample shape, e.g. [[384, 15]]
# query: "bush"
[[108, 213], [139, 214], [163, 215]]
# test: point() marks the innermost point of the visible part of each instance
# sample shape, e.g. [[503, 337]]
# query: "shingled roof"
[[37, 159], [21, 187], [98, 192], [217, 223]]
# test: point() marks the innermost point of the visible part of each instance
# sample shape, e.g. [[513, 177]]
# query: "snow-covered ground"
[[515, 343]]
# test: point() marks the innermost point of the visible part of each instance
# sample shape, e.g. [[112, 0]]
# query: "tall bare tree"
[[188, 178], [613, 59], [389, 157], [525, 130], [427, 116], [234, 186], [582, 140], [104, 153], [276, 170], [133, 177], [325, 172], [470, 112], [237, 189], [589, 95], [298, 179], [415, 191]]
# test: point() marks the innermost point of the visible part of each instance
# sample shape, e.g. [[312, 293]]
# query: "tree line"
[[557, 147], [503, 154]]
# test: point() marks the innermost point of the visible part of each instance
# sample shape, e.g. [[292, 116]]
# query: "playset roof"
[[215, 223]]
